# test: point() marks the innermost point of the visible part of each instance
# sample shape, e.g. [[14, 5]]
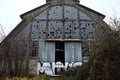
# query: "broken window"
[[71, 30], [55, 12], [54, 29], [87, 30], [38, 29]]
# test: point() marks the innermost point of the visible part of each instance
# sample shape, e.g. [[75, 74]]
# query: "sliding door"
[[73, 52], [46, 51]]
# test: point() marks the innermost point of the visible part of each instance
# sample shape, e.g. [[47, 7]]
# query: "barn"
[[56, 36]]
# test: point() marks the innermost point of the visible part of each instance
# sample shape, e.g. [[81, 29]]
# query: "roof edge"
[[102, 15], [23, 15]]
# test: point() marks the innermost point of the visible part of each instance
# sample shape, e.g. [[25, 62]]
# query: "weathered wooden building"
[[57, 35]]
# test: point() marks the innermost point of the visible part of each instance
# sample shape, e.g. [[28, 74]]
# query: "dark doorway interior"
[[59, 52]]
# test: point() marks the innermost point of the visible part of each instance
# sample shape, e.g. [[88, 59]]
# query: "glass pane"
[[55, 29]]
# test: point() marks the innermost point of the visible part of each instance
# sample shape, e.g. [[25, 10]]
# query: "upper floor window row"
[[63, 12]]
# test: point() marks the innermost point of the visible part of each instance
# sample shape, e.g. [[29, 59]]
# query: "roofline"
[[92, 10], [22, 15], [12, 32]]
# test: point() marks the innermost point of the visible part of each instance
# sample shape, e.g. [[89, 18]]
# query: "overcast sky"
[[10, 10]]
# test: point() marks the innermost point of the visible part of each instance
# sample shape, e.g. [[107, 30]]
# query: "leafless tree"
[[15, 52], [2, 33], [105, 60], [114, 22], [14, 57]]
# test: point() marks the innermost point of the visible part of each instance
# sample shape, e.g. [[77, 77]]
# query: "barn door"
[[73, 52], [47, 51]]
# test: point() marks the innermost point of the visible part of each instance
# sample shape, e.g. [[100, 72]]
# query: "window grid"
[[35, 47], [63, 22]]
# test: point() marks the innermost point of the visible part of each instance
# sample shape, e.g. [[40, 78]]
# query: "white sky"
[[10, 10]]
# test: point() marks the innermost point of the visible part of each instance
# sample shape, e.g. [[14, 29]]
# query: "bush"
[[104, 64], [78, 73]]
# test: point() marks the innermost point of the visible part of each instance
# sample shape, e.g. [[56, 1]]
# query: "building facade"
[[57, 35]]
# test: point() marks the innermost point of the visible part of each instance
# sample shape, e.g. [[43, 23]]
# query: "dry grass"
[[41, 77]]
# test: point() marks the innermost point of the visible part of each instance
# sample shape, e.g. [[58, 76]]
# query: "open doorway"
[[59, 56], [59, 52]]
